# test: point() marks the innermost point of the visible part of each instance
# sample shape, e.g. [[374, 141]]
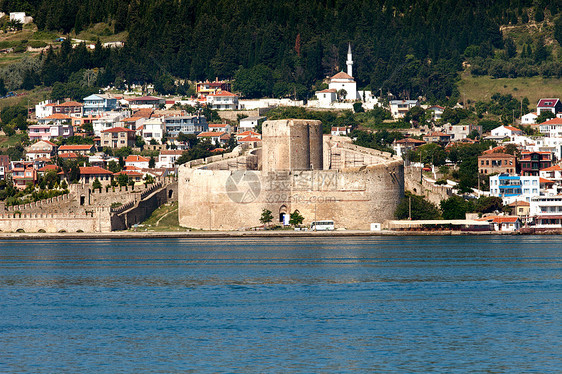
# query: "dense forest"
[[409, 48]]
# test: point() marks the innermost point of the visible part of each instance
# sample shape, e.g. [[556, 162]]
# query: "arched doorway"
[[283, 215]]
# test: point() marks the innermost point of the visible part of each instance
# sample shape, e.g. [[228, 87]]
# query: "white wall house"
[[529, 118], [44, 109], [223, 100], [547, 211], [399, 108], [506, 132], [513, 188], [250, 123], [108, 121], [154, 128]]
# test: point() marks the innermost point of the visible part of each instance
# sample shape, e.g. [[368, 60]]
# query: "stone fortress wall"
[[87, 210], [322, 177]]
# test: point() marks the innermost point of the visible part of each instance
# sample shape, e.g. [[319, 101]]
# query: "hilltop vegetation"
[[408, 48]]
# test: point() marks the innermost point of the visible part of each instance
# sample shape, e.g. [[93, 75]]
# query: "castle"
[[297, 168]]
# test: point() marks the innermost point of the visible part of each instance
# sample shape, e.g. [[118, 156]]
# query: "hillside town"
[[136, 138]]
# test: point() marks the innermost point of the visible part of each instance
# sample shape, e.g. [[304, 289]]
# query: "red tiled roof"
[[93, 170], [513, 128], [171, 152], [499, 149], [58, 116], [222, 93], [129, 172], [248, 132], [544, 180], [553, 121], [118, 129], [328, 90], [210, 134], [71, 103], [144, 98], [496, 155], [553, 168], [505, 219], [136, 158], [547, 103], [410, 140], [48, 168], [68, 155], [520, 203], [76, 147], [217, 125], [250, 139]]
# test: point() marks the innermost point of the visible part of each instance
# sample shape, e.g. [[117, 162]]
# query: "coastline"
[[245, 234]]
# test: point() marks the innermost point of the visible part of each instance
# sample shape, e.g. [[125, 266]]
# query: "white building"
[[399, 108], [137, 161], [553, 173], [44, 109], [222, 100], [167, 158], [21, 18], [250, 123], [547, 211], [326, 97], [108, 121], [154, 128], [506, 132], [529, 118], [552, 128], [513, 188]]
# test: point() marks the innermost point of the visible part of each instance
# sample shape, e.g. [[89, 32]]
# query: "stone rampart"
[[92, 221]]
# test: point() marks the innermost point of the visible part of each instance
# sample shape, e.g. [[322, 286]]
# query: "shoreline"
[[248, 234]]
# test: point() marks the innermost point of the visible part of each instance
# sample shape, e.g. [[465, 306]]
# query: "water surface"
[[388, 305]]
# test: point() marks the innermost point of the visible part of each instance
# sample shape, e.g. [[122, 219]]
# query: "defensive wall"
[[297, 169], [86, 210]]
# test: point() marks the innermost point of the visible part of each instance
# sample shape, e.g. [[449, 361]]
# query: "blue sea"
[[465, 304]]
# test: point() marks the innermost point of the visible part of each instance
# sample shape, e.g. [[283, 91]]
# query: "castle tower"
[[349, 61]]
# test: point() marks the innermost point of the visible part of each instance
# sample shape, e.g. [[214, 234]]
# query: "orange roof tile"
[[136, 158], [210, 134], [553, 168], [222, 93], [342, 75], [250, 139], [92, 170], [118, 129], [71, 103], [76, 147], [58, 116]]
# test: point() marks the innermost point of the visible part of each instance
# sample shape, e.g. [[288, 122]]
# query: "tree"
[[296, 218], [96, 184], [123, 179], [420, 207], [266, 217], [545, 116], [74, 174], [113, 167], [558, 29], [152, 162], [455, 207]]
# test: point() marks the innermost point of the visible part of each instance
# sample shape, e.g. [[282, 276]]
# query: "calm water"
[[404, 305]]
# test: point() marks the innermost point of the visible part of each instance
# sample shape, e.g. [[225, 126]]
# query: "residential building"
[[326, 97], [69, 108], [552, 105], [4, 166], [134, 175], [506, 132], [521, 209], [167, 158], [146, 102], [20, 17], [553, 173], [399, 108], [437, 137], [506, 223], [118, 137], [44, 109], [403, 146], [436, 112], [217, 138], [205, 88], [497, 163], [154, 129], [247, 133], [23, 172], [49, 131], [529, 118], [252, 141], [547, 211], [107, 121], [552, 128], [532, 162], [185, 125], [44, 146], [514, 187], [88, 174], [98, 104], [137, 161], [80, 149], [221, 127], [459, 132], [133, 123], [250, 123], [339, 131], [223, 100], [56, 119]]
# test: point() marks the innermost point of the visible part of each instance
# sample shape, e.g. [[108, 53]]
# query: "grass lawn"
[[483, 87], [164, 218], [7, 142]]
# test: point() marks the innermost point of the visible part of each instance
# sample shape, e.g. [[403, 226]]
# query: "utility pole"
[[410, 208]]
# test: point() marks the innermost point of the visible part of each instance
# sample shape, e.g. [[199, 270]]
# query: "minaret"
[[349, 61]]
